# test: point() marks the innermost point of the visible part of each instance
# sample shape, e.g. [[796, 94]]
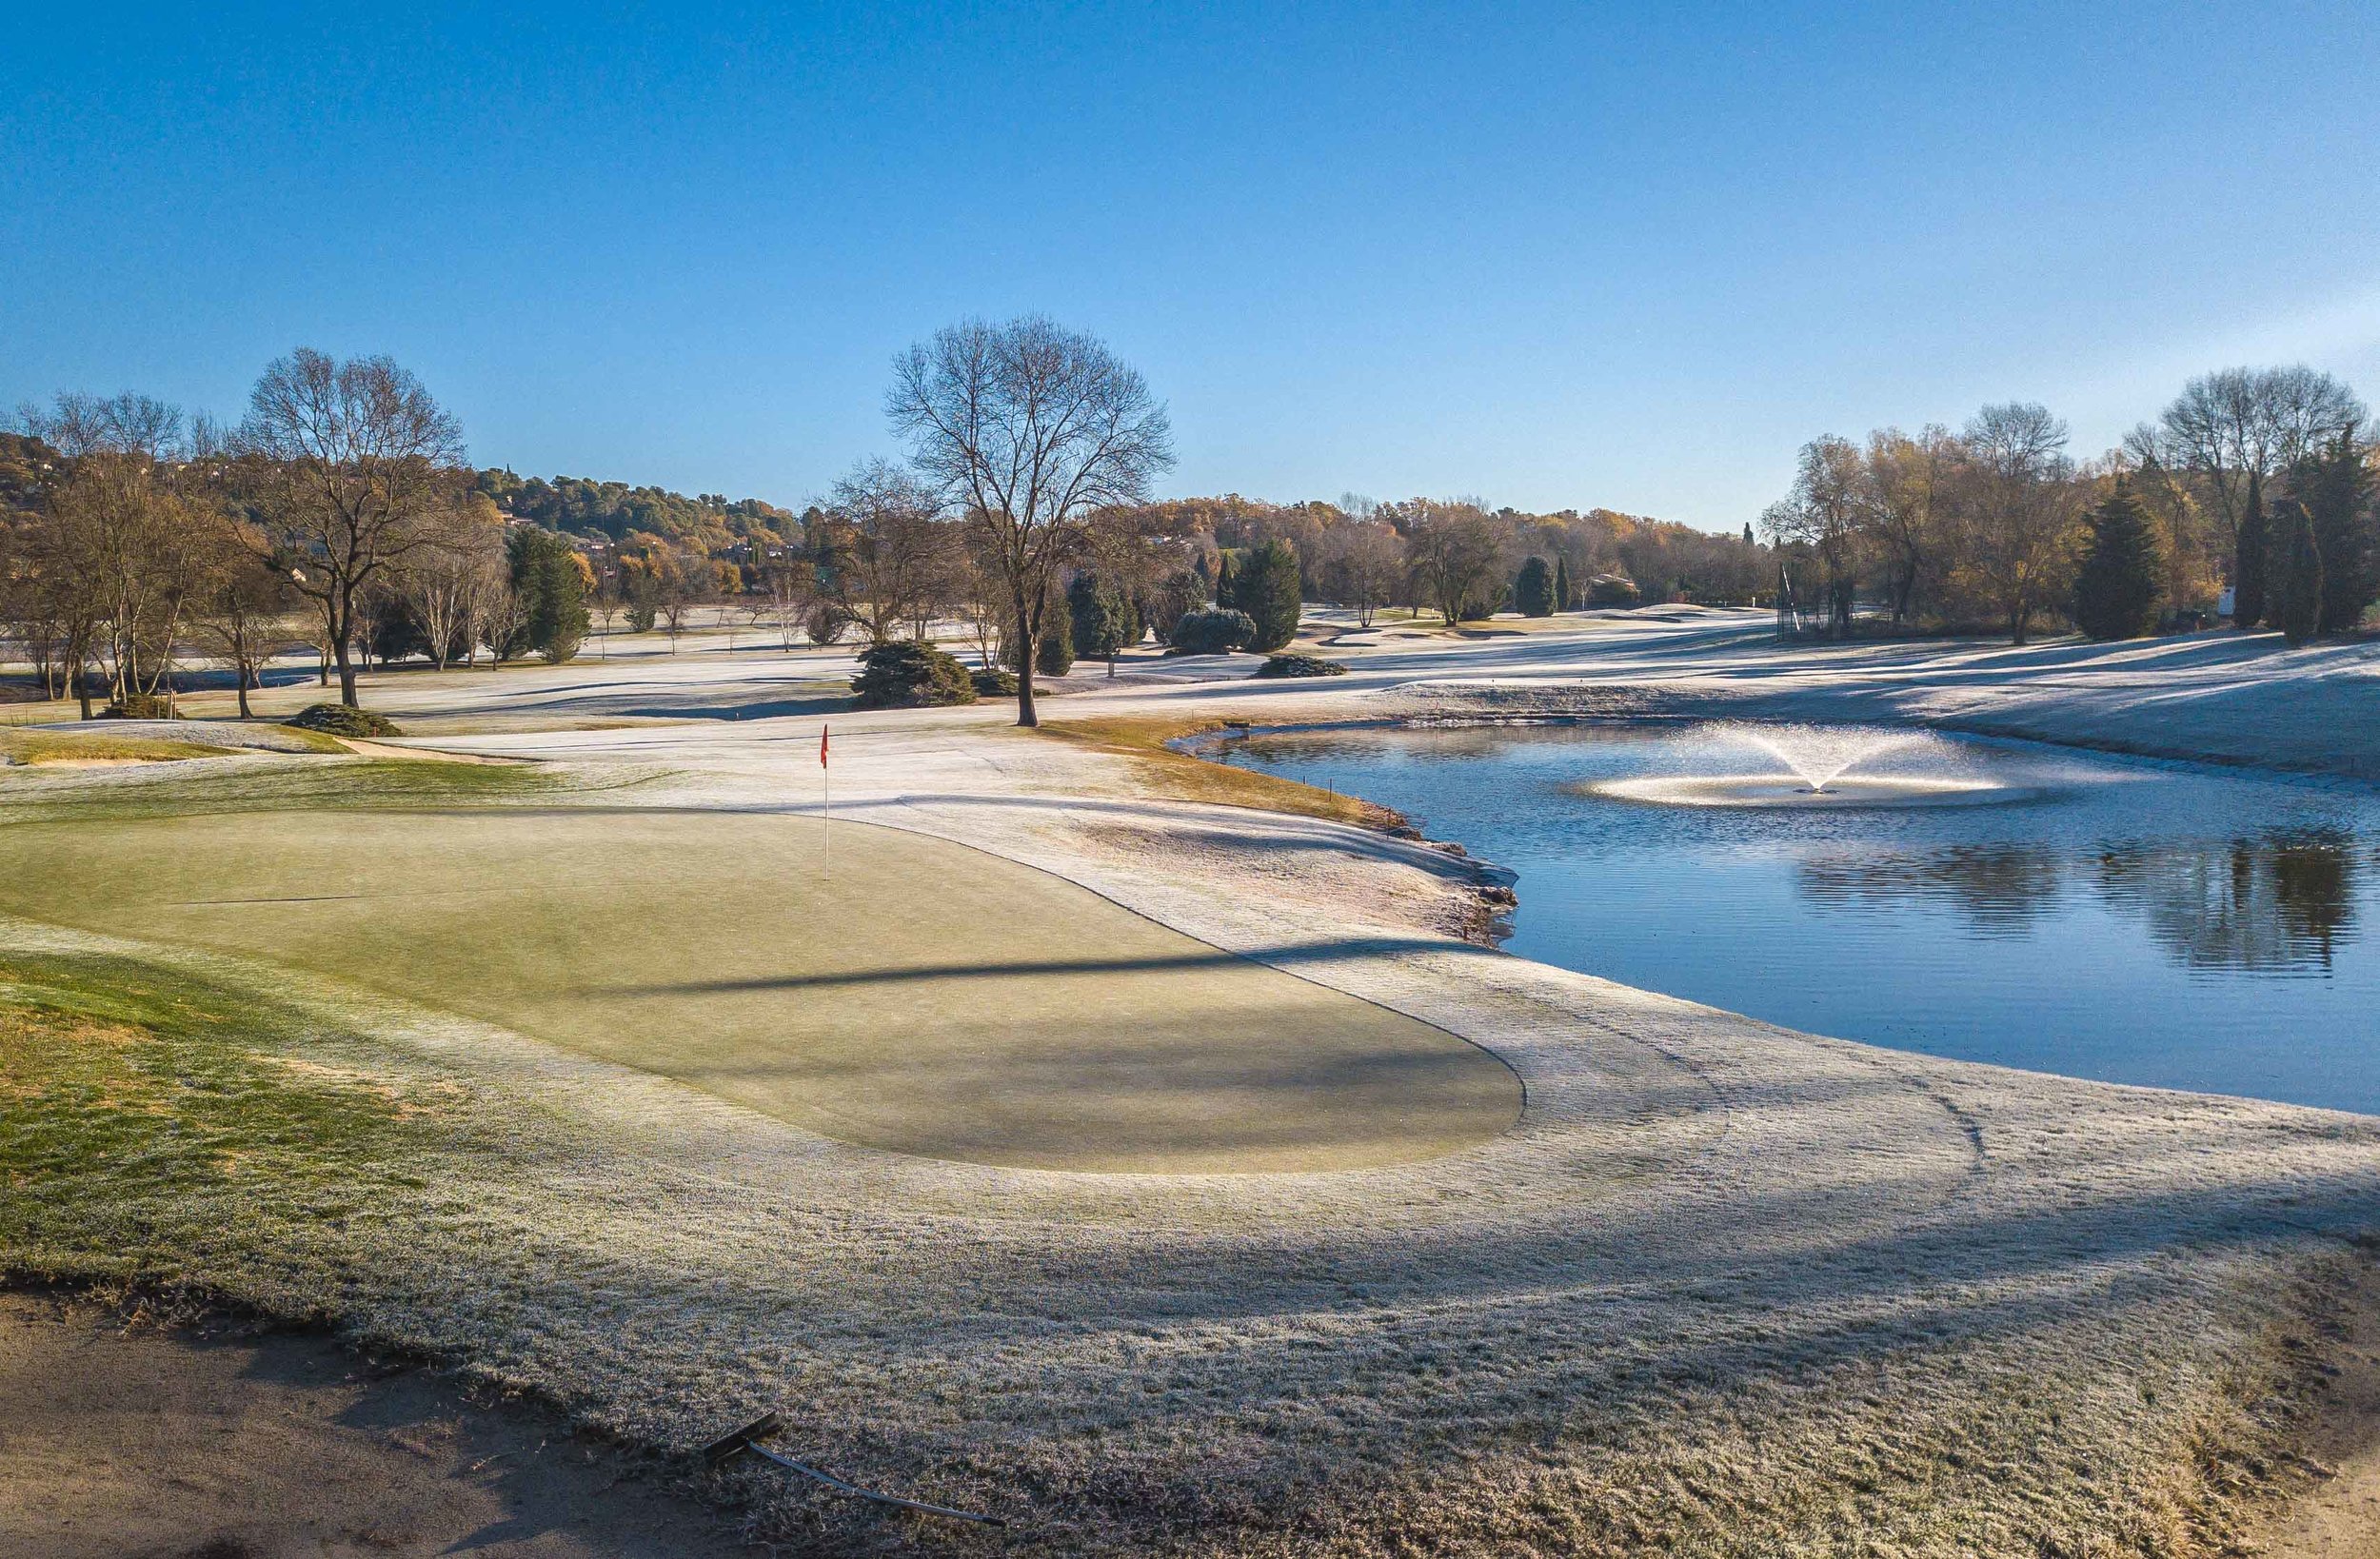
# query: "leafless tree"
[[2236, 429], [2020, 504], [1828, 517], [1360, 562], [1911, 481], [1030, 427], [238, 612], [889, 550], [456, 567], [353, 459], [1456, 550]]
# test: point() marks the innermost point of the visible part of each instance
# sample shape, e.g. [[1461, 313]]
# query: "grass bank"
[[1163, 772]]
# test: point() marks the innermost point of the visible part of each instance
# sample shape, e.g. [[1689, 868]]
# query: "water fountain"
[[1823, 766]]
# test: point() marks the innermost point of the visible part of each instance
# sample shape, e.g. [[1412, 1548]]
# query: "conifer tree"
[[2115, 592], [1561, 584], [2298, 610], [1533, 592], [2336, 487], [2250, 564], [1265, 586]]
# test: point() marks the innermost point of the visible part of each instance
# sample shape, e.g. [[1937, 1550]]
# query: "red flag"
[[822, 746]]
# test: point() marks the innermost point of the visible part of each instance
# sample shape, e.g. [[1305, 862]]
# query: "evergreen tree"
[[1561, 584], [2115, 592], [2336, 487], [2298, 610], [2250, 561], [1265, 586], [1054, 654], [1228, 578], [1104, 617], [1748, 540], [1533, 592], [551, 583]]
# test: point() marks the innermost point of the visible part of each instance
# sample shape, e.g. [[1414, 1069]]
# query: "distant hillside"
[[587, 507]]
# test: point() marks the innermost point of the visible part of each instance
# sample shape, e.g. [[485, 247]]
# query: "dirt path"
[[216, 1443]]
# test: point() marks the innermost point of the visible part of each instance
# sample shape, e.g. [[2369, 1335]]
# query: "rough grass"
[[27, 746], [293, 786], [147, 1116], [1163, 772], [907, 994]]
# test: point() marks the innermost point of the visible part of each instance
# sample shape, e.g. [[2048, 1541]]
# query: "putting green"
[[914, 995]]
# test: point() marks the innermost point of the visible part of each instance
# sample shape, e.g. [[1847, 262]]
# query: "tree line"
[[134, 539], [2250, 493]]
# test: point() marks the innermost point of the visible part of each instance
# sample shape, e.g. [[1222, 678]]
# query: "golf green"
[[912, 995]]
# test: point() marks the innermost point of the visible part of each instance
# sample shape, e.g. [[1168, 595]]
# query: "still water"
[[2115, 919]]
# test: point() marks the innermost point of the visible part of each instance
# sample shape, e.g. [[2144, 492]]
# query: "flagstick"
[[826, 803]]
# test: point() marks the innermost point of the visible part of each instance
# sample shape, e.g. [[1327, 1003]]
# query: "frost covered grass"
[[1722, 1290]]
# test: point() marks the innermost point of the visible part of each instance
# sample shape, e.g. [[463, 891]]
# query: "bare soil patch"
[[125, 1440]]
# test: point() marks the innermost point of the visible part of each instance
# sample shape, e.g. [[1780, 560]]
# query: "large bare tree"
[[1458, 552], [352, 461], [1030, 427], [2021, 505], [1829, 516], [887, 553], [2235, 429]]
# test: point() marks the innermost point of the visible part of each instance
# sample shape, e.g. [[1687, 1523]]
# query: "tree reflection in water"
[[2277, 903]]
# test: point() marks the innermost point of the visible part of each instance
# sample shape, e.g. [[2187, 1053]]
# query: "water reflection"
[[2280, 903], [2002, 889]]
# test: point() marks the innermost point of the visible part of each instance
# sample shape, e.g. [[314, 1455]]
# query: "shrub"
[[907, 674], [996, 683], [339, 719], [1612, 590], [1214, 631], [1533, 592], [140, 706], [1301, 665]]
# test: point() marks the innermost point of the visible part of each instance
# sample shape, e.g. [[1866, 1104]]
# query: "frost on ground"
[[1723, 1288]]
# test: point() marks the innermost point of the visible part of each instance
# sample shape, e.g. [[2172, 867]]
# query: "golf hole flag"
[[822, 746]]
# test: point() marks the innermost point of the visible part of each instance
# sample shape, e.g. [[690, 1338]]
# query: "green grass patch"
[[371, 783], [23, 746], [147, 1117]]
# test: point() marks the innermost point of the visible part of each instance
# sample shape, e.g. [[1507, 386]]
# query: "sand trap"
[[912, 995]]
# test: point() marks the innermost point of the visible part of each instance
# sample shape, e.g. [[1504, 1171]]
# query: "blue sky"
[[1546, 255]]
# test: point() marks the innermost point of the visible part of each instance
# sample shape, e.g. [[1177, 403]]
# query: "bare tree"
[[353, 459], [2021, 505], [1030, 426], [1911, 481], [1455, 549], [888, 550], [457, 566], [1828, 516], [238, 613], [1361, 561], [2235, 429]]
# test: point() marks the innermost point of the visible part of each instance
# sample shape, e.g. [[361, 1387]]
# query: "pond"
[[2108, 917]]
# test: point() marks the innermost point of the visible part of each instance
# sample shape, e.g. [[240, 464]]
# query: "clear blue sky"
[[1548, 255]]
